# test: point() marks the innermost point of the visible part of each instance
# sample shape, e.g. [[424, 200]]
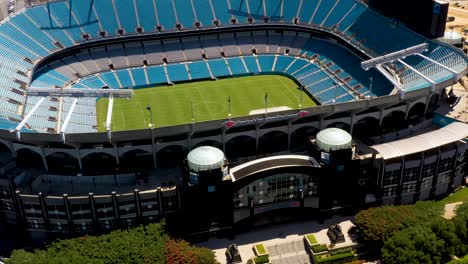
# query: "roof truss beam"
[[79, 92], [110, 109], [373, 63], [64, 127], [26, 118], [433, 84]]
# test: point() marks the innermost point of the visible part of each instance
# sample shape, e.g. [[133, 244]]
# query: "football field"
[[208, 100]]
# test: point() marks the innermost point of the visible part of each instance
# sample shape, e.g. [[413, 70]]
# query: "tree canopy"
[[375, 225], [434, 241], [143, 244]]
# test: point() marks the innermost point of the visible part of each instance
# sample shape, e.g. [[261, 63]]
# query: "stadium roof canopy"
[[446, 135], [333, 139], [205, 158]]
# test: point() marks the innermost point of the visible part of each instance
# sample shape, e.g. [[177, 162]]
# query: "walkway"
[[450, 210], [289, 253]]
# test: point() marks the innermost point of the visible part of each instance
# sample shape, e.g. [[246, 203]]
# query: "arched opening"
[[341, 125], [136, 161], [5, 153], [366, 128], [210, 143], [171, 156], [62, 164], [394, 121], [307, 119], [26, 158], [239, 129], [300, 138], [272, 142], [241, 146], [416, 113], [99, 164], [433, 104]]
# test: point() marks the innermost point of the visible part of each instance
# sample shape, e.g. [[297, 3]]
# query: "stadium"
[[102, 101]]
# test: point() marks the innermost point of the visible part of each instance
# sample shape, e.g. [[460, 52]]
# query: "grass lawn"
[[260, 249], [459, 196], [171, 105], [311, 239]]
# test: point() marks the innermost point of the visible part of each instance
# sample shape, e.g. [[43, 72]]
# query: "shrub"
[[339, 258], [319, 248], [260, 249], [311, 238], [341, 251], [261, 259]]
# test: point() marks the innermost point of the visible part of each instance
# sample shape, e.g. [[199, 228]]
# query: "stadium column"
[[257, 139], [136, 194], [223, 136], [66, 203], [92, 204], [80, 164], [289, 134], [45, 214], [153, 148], [382, 115], [351, 128], [44, 160]]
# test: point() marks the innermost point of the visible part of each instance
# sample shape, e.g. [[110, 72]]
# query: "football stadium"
[[218, 114]]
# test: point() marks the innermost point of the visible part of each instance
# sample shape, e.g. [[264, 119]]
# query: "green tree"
[[418, 244], [180, 252], [375, 225], [138, 245]]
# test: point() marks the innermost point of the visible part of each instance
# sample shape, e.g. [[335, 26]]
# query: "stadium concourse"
[[346, 77]]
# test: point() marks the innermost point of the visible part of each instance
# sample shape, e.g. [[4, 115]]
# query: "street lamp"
[[151, 114]]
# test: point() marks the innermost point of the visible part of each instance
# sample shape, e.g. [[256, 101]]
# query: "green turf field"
[[171, 104]]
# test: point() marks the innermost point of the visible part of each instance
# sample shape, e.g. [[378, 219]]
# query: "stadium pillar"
[[223, 135], [351, 128], [257, 139], [381, 117], [44, 160], [80, 164], [289, 135], [153, 147]]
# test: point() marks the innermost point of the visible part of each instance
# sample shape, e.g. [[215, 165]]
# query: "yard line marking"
[[204, 102]]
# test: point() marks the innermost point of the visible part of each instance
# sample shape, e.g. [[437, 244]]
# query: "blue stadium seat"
[[139, 76], [167, 18], [266, 62], [124, 78], [198, 70], [177, 72], [60, 13], [86, 17], [33, 32], [338, 13], [185, 13], [307, 10], [236, 65], [219, 68], [273, 9], [290, 10], [204, 12], [156, 75], [146, 15], [110, 80], [106, 16], [41, 18], [20, 37], [251, 63], [222, 11], [282, 62], [127, 15]]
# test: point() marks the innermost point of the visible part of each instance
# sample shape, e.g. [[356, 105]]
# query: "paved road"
[[289, 253]]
